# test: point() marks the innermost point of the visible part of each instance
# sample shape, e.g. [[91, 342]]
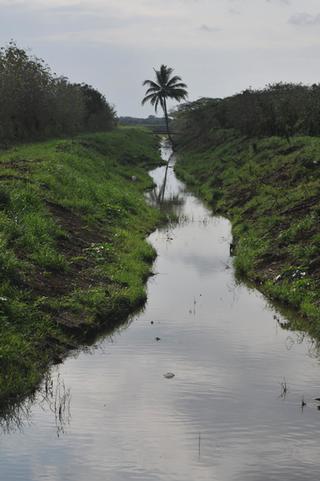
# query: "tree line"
[[36, 103], [281, 109]]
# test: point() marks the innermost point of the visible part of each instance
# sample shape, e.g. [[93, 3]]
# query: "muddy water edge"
[[240, 406]]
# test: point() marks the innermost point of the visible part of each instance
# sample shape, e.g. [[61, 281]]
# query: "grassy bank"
[[72, 252], [270, 190]]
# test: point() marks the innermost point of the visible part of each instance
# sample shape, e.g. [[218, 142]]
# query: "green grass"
[[73, 258], [269, 189]]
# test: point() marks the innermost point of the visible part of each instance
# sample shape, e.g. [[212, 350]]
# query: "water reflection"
[[53, 398], [15, 417], [57, 398], [288, 321], [165, 194]]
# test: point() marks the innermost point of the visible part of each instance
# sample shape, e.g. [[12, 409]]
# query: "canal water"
[[232, 411]]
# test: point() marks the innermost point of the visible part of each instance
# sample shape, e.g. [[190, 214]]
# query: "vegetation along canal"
[[242, 402]]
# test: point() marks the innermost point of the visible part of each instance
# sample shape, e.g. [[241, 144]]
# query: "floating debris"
[[284, 388], [158, 339], [169, 375]]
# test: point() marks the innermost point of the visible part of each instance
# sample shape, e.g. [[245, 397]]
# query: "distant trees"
[[281, 109], [165, 87], [35, 103]]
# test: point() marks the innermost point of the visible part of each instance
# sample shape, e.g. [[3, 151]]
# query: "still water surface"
[[232, 411]]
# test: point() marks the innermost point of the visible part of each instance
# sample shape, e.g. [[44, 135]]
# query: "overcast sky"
[[219, 47]]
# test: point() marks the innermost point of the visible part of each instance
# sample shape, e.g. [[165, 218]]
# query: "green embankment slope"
[[73, 255], [270, 190]]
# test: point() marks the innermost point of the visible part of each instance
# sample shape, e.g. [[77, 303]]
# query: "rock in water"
[[168, 375]]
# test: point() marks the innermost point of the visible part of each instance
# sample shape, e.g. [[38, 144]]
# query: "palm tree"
[[165, 87]]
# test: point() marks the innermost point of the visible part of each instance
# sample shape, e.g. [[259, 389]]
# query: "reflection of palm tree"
[[165, 87], [163, 186]]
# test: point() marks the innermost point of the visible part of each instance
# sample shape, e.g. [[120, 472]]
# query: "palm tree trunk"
[[165, 111]]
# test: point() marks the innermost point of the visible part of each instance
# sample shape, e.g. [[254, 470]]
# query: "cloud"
[[304, 19], [285, 2], [207, 28], [234, 11]]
